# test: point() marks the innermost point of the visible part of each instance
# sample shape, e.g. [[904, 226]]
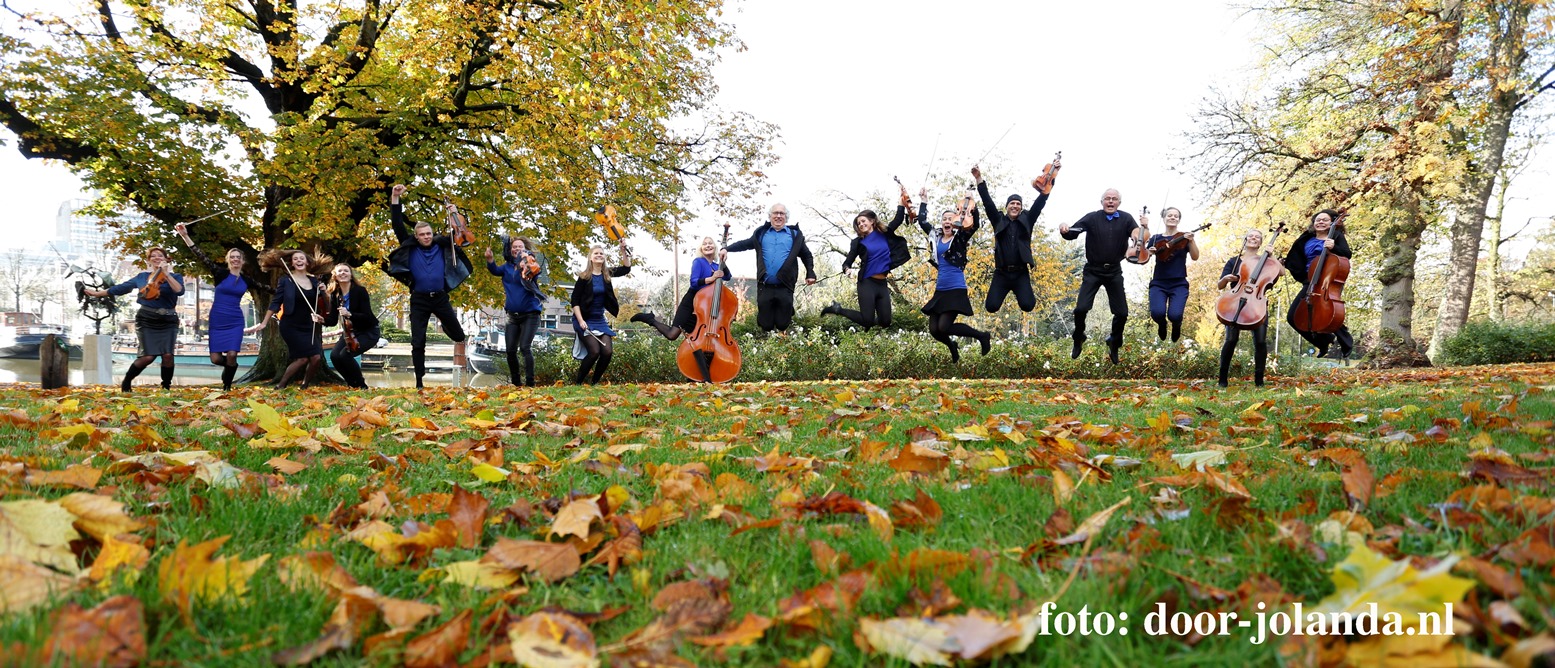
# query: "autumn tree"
[[285, 122]]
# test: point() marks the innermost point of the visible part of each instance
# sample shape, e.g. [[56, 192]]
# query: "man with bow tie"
[[1106, 243]]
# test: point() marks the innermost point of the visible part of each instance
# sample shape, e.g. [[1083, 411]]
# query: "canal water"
[[28, 371]]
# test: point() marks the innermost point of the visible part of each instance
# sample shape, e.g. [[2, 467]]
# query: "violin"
[[528, 266], [1169, 247], [459, 228], [1321, 309], [709, 353], [1044, 182], [324, 302], [348, 333], [906, 202], [1139, 243], [154, 283], [966, 206], [606, 217], [1245, 305]]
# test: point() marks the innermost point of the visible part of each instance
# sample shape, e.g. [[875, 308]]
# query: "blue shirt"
[[426, 269], [877, 255], [166, 300], [1313, 248], [701, 270], [1173, 269], [775, 247], [518, 297], [951, 277]]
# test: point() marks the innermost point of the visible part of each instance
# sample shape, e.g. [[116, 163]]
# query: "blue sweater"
[[521, 296], [167, 300]]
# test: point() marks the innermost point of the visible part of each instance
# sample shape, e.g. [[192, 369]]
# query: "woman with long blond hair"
[[156, 322], [592, 296], [296, 307], [225, 332], [351, 304]]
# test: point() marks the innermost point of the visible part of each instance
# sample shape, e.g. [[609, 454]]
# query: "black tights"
[[312, 365], [1260, 352], [942, 326], [520, 336], [140, 365], [599, 348], [228, 361]]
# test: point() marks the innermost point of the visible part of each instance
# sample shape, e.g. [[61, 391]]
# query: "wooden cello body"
[[1321, 310], [712, 339], [1245, 304]]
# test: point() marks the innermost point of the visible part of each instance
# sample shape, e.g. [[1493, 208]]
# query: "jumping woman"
[[225, 337], [1169, 284], [705, 271], [592, 296], [1321, 234], [296, 307], [881, 250], [523, 302], [950, 298], [1252, 244], [351, 304]]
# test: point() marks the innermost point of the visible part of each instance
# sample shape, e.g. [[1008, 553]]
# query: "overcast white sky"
[[861, 89]]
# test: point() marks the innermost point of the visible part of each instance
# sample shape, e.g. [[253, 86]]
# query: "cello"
[[1321, 309], [711, 342], [1245, 305]]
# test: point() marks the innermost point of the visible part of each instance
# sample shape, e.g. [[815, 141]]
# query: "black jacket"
[[788, 274], [456, 265], [955, 255], [1011, 238], [1296, 259], [1106, 241], [363, 317], [901, 252], [583, 291], [288, 297]]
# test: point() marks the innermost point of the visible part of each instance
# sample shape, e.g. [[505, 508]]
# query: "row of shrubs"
[[1488, 342], [817, 354]]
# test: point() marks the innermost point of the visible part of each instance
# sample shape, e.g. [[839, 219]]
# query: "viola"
[[906, 202], [1139, 243], [966, 206], [606, 217], [1166, 249], [1321, 309], [1245, 304], [324, 302], [458, 226], [1044, 182], [154, 283], [348, 332], [712, 341], [528, 266]]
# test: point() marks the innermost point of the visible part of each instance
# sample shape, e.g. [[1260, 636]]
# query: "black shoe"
[[1160, 331], [1074, 353], [1113, 345], [831, 308], [1222, 384], [1322, 352], [986, 340], [646, 317], [955, 353], [1344, 351], [124, 386]]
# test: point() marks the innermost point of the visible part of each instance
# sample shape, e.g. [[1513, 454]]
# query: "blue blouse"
[[167, 300], [951, 277]]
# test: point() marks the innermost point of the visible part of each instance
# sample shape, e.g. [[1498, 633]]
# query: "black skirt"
[[158, 332], [948, 301], [302, 337], [686, 313]]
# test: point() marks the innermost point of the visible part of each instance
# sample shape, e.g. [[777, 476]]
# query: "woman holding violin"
[[352, 308], [301, 305], [881, 250], [156, 323], [950, 291], [1324, 234], [1251, 256], [523, 302], [226, 318], [1169, 284], [592, 296]]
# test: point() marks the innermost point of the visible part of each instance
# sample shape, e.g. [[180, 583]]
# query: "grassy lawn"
[[759, 523]]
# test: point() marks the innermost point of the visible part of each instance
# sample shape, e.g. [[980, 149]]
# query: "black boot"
[[227, 374], [167, 378], [1176, 330], [1079, 342], [832, 309], [986, 341], [1160, 330], [1113, 345], [955, 352], [130, 375]]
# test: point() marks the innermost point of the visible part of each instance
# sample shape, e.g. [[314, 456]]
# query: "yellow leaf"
[[575, 518], [190, 574], [116, 555], [552, 640], [879, 520], [99, 516], [1365, 577], [40, 532], [1199, 460], [917, 641], [489, 473], [479, 575], [1063, 487], [25, 585]]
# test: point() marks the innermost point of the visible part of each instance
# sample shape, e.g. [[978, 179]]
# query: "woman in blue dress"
[[156, 322], [592, 296], [296, 306], [705, 271], [225, 335], [950, 297]]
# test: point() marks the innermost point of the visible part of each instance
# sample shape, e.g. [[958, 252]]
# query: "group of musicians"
[[431, 265]]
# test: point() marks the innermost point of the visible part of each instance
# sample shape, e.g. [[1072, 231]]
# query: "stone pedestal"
[[97, 359]]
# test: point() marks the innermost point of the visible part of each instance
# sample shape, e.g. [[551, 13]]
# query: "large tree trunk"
[[1508, 51]]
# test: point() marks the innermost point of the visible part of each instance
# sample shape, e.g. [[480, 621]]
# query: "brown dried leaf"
[[440, 646], [549, 561], [111, 634], [747, 632], [575, 518], [552, 640], [467, 510], [922, 511]]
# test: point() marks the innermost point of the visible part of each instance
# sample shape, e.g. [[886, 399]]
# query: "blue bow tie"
[[1114, 215]]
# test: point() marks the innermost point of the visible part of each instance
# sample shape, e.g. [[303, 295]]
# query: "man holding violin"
[[780, 248], [1011, 246], [431, 265], [1106, 242]]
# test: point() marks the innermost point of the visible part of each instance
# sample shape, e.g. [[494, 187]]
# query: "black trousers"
[[1016, 279], [1319, 340], [1260, 351], [424, 305], [520, 337], [774, 307], [1093, 278], [344, 360], [874, 303]]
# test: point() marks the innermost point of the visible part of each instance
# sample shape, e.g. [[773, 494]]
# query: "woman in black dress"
[[156, 323], [297, 306]]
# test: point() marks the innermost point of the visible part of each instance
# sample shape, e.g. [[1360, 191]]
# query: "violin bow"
[[995, 144], [932, 154]]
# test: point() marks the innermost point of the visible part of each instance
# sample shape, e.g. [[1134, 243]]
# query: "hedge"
[[1488, 342]]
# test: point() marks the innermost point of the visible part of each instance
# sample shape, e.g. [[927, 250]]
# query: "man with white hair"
[[780, 248], [1106, 242]]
